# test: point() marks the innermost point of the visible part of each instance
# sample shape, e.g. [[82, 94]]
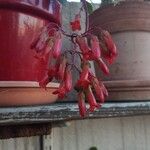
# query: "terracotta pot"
[[20, 22], [129, 23]]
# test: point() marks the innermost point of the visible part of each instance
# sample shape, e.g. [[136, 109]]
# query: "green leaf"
[[63, 2], [89, 7]]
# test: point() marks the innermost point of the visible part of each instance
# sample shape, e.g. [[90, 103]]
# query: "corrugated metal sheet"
[[131, 133]]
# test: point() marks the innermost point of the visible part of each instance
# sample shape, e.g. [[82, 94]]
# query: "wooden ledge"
[[69, 111]]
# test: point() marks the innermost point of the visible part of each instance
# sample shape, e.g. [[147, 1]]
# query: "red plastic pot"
[[20, 22]]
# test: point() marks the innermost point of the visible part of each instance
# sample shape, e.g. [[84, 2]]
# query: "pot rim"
[[124, 16], [26, 9], [25, 84]]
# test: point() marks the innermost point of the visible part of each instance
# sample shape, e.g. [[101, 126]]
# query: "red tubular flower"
[[108, 57], [46, 54], [68, 80], [81, 104], [95, 47], [81, 41], [57, 44], [52, 72], [83, 81], [44, 82], [102, 66], [61, 91], [62, 67], [109, 43], [75, 25], [91, 99], [98, 90], [105, 92]]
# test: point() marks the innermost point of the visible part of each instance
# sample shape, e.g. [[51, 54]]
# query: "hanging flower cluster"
[[89, 47]]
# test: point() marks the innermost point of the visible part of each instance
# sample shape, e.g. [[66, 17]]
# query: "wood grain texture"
[[28, 143], [129, 133]]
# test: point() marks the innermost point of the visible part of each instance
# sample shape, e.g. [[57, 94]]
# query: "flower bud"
[[95, 47], [68, 80], [81, 41], [109, 43], [44, 82], [61, 91], [102, 66], [62, 67], [83, 81], [81, 104], [57, 44], [91, 99]]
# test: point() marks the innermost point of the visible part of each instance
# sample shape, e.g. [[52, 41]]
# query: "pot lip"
[[25, 84], [135, 17], [112, 6], [127, 83], [25, 8]]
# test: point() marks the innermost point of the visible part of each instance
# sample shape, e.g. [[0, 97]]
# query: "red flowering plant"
[[88, 47]]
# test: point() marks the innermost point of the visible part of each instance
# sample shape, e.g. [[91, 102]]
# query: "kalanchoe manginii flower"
[[82, 104], [102, 66], [75, 25], [111, 47], [52, 72], [83, 81], [54, 63], [108, 57], [68, 79], [57, 44], [44, 82], [105, 92], [95, 47], [61, 91], [83, 45], [109, 43], [46, 53], [62, 67], [91, 99], [98, 89]]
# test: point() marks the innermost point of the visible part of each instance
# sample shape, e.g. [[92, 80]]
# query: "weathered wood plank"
[[128, 133], [69, 111], [29, 143]]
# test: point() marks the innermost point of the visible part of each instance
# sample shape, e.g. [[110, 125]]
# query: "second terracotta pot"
[[129, 23]]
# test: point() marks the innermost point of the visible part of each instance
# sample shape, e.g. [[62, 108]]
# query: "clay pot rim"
[[115, 20], [127, 83], [26, 9], [25, 84]]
